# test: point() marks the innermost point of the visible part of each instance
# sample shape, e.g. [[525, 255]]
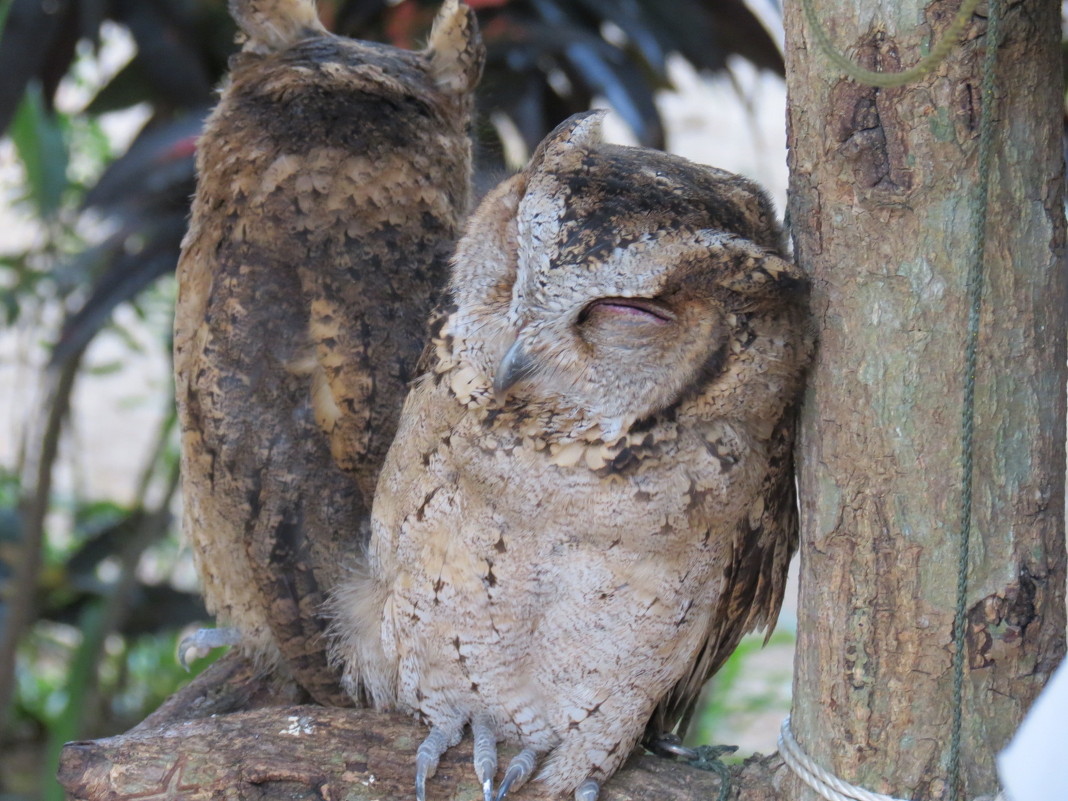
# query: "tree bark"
[[230, 734], [882, 201]]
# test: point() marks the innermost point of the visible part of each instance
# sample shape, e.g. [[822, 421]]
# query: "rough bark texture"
[[199, 746], [882, 203]]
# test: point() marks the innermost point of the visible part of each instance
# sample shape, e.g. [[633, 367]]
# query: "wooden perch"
[[232, 734]]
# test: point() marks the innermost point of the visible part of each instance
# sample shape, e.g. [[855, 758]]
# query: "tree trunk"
[[882, 198]]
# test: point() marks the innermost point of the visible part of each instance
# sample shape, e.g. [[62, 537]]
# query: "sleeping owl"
[[333, 177], [590, 498]]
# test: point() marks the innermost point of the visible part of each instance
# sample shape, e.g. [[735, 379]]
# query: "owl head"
[[283, 39], [616, 281]]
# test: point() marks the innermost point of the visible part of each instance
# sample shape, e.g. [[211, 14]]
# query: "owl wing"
[[755, 580], [266, 511], [398, 211], [367, 332]]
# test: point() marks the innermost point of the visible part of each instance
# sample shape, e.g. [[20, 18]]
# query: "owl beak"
[[515, 366]]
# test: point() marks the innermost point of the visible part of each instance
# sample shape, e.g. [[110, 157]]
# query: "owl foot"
[[519, 770], [485, 755], [198, 644], [588, 790], [428, 754], [705, 757]]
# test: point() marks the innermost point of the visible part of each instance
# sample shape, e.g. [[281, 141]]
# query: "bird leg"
[[588, 790], [428, 754], [485, 754], [519, 770], [200, 642]]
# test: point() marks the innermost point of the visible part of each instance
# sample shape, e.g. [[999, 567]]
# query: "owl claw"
[[426, 758], [588, 790], [485, 755], [669, 745], [519, 770], [200, 642]]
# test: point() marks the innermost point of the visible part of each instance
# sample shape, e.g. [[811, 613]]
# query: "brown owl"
[[333, 179], [590, 498]]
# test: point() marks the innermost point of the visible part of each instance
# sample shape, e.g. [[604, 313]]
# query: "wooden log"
[[229, 735]]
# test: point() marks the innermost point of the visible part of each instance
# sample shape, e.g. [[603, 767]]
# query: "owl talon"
[[198, 644], [427, 756], [485, 755], [669, 746], [588, 790], [519, 770]]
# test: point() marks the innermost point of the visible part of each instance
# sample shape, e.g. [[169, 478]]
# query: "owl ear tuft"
[[273, 25], [456, 52], [753, 271], [558, 150]]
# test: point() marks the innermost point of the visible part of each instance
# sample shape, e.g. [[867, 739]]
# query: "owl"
[[590, 498], [332, 181]]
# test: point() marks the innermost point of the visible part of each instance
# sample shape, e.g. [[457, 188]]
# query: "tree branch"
[[198, 745]]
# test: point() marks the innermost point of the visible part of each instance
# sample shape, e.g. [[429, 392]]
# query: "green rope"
[[889, 79], [975, 296], [707, 757], [703, 757]]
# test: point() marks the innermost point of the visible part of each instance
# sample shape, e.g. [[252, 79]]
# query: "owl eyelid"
[[640, 306]]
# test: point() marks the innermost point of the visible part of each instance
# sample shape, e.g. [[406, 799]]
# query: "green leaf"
[[41, 147], [5, 7], [128, 87], [106, 368], [9, 306]]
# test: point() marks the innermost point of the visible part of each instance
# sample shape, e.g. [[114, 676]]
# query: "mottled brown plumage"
[[590, 498], [333, 178]]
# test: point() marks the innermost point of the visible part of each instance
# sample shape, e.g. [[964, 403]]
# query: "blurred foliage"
[[88, 619], [750, 684]]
